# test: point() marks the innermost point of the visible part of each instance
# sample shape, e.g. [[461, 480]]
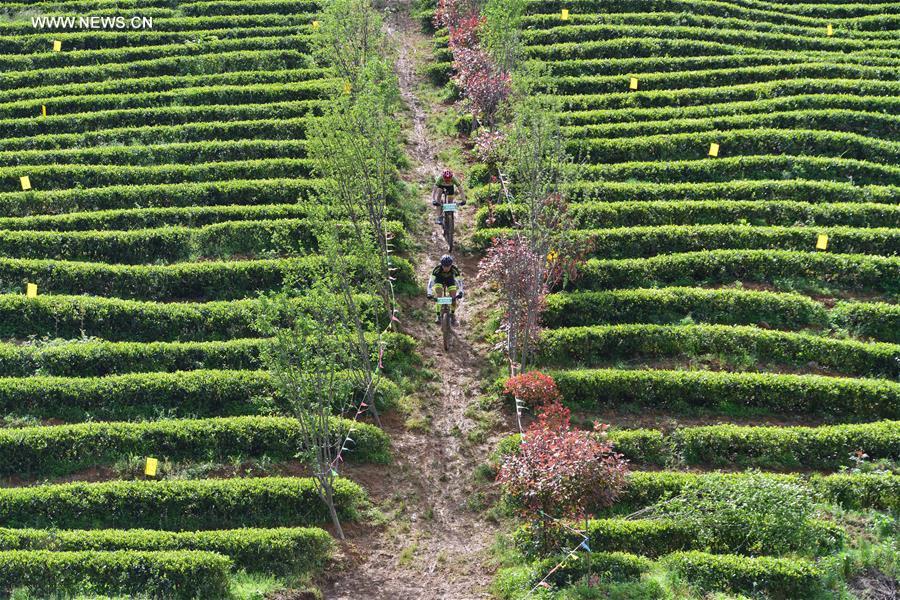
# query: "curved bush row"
[[64, 449], [656, 537], [822, 193], [864, 399], [603, 343], [515, 583], [776, 577], [171, 574], [242, 60], [856, 491], [785, 13], [270, 129], [861, 122], [671, 305], [118, 320], [180, 281], [844, 271], [746, 167], [172, 244], [176, 505], [163, 84], [877, 320], [55, 177], [705, 96], [262, 93], [827, 447], [165, 115], [250, 192], [765, 108], [251, 7], [588, 214], [739, 37], [643, 242], [189, 24], [79, 58], [198, 393], [282, 550], [159, 154], [758, 140], [152, 218], [278, 550]]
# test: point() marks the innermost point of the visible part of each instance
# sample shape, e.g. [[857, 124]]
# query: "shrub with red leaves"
[[560, 471], [534, 388]]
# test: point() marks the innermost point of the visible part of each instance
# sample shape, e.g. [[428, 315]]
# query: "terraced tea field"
[[738, 187], [164, 168]]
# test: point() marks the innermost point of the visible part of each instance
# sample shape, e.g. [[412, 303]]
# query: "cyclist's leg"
[[451, 291]]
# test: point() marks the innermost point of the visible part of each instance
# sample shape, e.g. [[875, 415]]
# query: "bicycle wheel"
[[448, 230], [445, 328]]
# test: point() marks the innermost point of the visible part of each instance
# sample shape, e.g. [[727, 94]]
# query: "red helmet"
[[448, 174]]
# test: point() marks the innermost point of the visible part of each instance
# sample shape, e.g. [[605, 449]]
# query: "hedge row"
[[877, 320], [705, 96], [647, 241], [258, 192], [80, 58], [270, 129], [150, 218], [736, 142], [604, 343], [64, 449], [172, 244], [780, 393], [843, 271], [630, 117], [671, 305], [657, 537], [171, 574], [793, 13], [827, 447], [261, 93], [242, 60], [681, 212], [181, 281], [778, 578], [134, 156], [147, 395], [143, 117], [514, 583], [176, 505], [279, 550], [819, 193], [52, 177], [859, 491], [118, 320], [860, 122]]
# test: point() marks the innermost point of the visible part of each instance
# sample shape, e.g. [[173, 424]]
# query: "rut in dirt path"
[[436, 546]]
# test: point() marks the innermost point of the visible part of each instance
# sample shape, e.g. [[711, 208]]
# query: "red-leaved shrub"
[[534, 388]]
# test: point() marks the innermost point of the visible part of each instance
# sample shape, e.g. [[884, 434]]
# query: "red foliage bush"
[[534, 388], [562, 472]]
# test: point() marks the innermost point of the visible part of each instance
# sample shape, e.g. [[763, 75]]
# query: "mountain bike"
[[449, 210], [446, 314]]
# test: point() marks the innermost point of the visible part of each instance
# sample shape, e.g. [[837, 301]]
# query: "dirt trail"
[[435, 546]]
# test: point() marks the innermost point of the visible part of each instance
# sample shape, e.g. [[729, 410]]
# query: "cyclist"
[[445, 188], [445, 281]]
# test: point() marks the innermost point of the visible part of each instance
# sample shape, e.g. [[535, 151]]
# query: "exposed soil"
[[434, 543]]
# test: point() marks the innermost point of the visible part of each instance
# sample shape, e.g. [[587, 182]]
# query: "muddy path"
[[433, 543]]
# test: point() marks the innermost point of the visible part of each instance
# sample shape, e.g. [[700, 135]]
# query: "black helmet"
[[446, 260]]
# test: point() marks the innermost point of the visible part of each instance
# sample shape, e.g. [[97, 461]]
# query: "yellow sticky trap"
[[26, 182], [830, 29], [713, 149], [150, 467], [565, 14], [347, 88], [43, 110], [31, 290], [822, 242], [315, 25], [634, 84], [57, 46]]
